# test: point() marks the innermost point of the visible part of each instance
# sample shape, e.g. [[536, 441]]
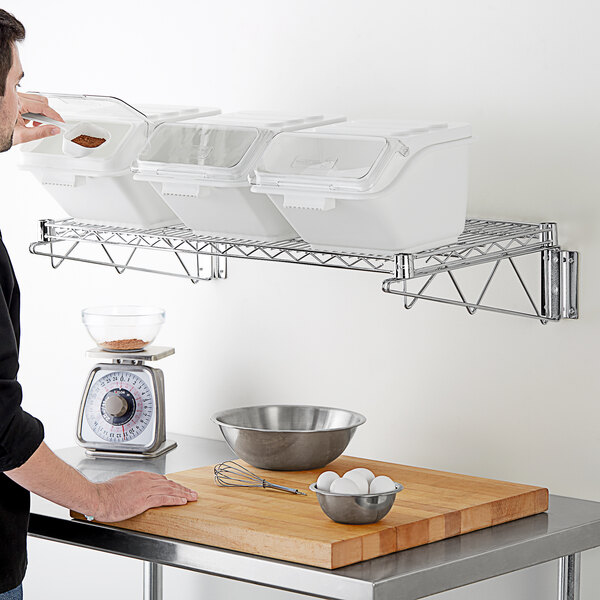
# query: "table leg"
[[153, 583], [569, 569]]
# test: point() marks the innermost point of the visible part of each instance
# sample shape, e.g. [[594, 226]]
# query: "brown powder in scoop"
[[88, 141], [130, 344]]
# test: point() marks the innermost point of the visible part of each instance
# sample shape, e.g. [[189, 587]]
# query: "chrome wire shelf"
[[182, 241], [205, 258]]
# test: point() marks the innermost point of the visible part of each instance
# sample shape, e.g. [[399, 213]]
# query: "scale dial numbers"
[[119, 406]]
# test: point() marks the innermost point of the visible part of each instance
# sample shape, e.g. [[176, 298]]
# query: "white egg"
[[344, 486], [368, 475], [326, 479], [359, 479], [381, 485]]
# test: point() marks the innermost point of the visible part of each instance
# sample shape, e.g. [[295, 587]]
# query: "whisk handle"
[[267, 484]]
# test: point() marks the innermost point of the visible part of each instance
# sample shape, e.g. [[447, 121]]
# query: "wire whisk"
[[232, 474]]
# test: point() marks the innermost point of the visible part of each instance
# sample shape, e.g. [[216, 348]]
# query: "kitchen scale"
[[122, 412]]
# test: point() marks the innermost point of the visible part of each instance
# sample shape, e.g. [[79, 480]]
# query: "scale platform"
[[149, 354]]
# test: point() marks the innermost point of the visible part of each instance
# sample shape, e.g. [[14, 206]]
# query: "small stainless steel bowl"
[[356, 509], [286, 437]]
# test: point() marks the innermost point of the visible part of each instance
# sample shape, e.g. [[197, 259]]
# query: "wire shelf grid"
[[205, 258], [482, 241]]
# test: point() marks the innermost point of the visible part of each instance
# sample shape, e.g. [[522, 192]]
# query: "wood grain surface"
[[433, 505]]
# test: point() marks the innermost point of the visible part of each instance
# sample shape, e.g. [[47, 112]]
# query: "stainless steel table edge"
[[258, 570]]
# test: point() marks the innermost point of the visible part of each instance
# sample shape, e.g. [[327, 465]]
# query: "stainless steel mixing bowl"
[[356, 509], [285, 437]]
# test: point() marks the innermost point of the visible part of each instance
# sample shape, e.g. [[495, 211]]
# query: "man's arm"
[[124, 496]]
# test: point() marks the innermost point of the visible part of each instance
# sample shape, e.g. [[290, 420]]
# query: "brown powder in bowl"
[[131, 344], [88, 141]]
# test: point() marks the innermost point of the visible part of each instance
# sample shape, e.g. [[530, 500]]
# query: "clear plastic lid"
[[392, 127], [333, 156], [275, 121], [348, 156], [90, 107], [221, 149], [315, 160], [198, 150], [159, 113]]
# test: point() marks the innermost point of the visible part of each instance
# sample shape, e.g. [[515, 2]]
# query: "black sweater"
[[20, 434]]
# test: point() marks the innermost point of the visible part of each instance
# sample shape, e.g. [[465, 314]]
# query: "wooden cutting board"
[[433, 505]]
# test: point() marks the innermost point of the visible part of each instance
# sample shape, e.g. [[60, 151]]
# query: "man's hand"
[[124, 496], [35, 104], [132, 493]]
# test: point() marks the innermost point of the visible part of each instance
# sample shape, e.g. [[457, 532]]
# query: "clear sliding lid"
[[91, 107], [275, 121], [348, 156], [198, 151], [221, 150]]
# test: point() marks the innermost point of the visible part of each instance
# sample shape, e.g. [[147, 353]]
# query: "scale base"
[[162, 449]]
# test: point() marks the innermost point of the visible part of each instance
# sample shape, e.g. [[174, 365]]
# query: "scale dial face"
[[119, 407]]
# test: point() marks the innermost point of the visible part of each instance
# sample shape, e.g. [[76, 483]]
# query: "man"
[[26, 463]]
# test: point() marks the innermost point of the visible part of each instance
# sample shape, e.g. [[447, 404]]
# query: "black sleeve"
[[20, 433]]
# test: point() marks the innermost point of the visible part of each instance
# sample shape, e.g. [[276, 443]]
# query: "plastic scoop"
[[44, 119], [70, 133]]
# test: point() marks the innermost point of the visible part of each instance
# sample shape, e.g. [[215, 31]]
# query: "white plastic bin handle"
[[174, 188], [63, 178], [310, 202]]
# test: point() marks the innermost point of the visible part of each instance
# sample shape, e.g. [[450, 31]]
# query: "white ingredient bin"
[[201, 169], [99, 188], [370, 186]]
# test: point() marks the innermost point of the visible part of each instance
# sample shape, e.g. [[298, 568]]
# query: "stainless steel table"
[[569, 527]]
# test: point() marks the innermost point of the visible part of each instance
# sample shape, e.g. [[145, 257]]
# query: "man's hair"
[[11, 31]]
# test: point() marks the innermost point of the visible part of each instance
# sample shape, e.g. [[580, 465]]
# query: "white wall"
[[488, 395]]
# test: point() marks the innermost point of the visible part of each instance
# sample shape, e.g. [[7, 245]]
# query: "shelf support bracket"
[[219, 267], [559, 287], [569, 284], [46, 230], [560, 278]]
